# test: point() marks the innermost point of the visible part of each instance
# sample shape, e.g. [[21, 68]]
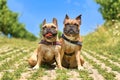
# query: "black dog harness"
[[49, 43], [73, 42], [70, 54]]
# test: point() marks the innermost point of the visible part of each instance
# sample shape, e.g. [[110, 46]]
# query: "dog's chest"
[[49, 53], [70, 47]]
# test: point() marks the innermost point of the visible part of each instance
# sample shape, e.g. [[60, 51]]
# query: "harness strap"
[[73, 42], [49, 43], [70, 54]]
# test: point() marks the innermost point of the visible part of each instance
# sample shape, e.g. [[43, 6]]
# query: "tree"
[[9, 23], [109, 9]]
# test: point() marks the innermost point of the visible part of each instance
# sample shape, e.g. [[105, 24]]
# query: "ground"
[[14, 66]]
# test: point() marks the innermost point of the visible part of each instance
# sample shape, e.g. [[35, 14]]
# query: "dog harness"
[[70, 54], [73, 42], [49, 43]]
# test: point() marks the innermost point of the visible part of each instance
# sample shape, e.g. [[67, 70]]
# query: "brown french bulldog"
[[71, 44], [49, 48]]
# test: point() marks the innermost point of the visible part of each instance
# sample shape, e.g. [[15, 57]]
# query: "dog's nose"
[[71, 27], [48, 29], [71, 31]]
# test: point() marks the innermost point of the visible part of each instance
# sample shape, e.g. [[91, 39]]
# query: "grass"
[[62, 74], [14, 75], [114, 58], [106, 61], [103, 72], [104, 41], [7, 76], [6, 51], [7, 64], [9, 54], [85, 75], [37, 74]]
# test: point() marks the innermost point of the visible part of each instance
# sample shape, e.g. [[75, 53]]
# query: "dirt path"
[[106, 58], [108, 69], [93, 72]]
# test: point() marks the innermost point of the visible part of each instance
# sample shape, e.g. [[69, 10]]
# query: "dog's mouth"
[[71, 31], [49, 35]]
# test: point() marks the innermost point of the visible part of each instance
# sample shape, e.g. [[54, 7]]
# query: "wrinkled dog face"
[[49, 30], [72, 26]]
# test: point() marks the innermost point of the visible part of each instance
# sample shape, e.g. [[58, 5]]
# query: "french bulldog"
[[49, 48], [71, 43]]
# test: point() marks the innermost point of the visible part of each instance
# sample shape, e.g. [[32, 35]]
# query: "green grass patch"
[[39, 73], [62, 74], [106, 62], [84, 75], [103, 72]]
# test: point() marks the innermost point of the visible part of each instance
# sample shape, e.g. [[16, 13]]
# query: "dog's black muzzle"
[[71, 29]]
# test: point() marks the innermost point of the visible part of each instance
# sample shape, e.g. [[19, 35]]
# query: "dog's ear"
[[66, 17], [55, 21], [79, 18], [44, 22]]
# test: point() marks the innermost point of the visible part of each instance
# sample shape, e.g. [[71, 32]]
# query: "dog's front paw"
[[80, 68], [59, 68], [36, 67]]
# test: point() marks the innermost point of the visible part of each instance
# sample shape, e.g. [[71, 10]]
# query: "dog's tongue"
[[48, 35]]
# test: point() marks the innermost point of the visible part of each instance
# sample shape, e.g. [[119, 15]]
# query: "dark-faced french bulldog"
[[71, 44]]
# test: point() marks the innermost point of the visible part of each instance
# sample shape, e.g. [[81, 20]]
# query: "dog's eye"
[[44, 27], [76, 24], [53, 27], [67, 24]]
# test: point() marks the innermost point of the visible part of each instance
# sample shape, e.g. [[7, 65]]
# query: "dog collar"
[[70, 54], [73, 42], [49, 43]]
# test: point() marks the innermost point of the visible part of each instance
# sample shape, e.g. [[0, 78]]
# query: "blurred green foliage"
[[9, 24], [59, 34], [110, 9], [105, 39]]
